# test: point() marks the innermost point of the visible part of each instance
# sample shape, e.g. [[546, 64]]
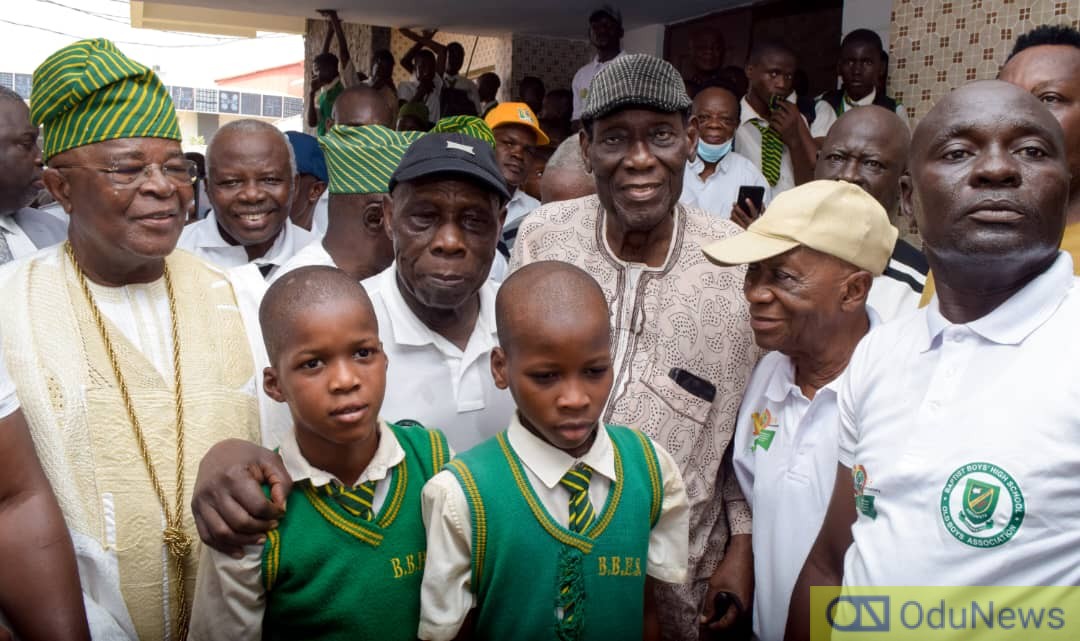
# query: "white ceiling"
[[562, 18]]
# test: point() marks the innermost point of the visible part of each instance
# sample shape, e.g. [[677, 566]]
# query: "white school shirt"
[[407, 90], [446, 594], [464, 84], [748, 143], [230, 596], [204, 239], [785, 453], [431, 380], [934, 416], [826, 115], [9, 402], [519, 206], [717, 193], [583, 80]]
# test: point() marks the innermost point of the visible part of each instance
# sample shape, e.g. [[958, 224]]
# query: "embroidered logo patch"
[[864, 503], [450, 144], [764, 430], [982, 505]]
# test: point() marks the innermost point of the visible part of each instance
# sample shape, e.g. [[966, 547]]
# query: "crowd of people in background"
[[647, 357]]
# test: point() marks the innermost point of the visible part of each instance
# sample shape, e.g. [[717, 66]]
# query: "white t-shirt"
[[583, 80], [717, 193], [785, 452], [430, 379], [964, 441], [825, 115], [8, 401]]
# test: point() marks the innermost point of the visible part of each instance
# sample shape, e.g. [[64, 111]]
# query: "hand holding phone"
[[748, 205]]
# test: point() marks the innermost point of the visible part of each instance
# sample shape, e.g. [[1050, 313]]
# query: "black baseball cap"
[[451, 154]]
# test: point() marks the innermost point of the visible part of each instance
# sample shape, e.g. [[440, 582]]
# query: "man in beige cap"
[[811, 258]]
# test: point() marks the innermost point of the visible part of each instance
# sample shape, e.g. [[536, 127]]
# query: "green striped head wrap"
[[89, 91], [361, 160]]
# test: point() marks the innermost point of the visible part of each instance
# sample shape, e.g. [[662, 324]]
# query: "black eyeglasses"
[[178, 172]]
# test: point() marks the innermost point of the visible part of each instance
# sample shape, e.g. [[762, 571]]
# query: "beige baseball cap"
[[830, 216]]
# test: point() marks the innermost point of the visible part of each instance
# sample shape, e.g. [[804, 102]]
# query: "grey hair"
[[249, 126], [568, 156]]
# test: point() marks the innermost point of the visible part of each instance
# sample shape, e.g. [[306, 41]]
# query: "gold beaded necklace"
[[176, 541]]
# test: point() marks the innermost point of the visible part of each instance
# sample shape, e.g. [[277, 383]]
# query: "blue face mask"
[[712, 153]]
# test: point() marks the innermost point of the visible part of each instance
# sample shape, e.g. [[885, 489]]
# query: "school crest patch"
[[764, 430], [982, 505]]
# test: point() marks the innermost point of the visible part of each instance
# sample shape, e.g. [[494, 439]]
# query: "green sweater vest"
[[521, 555], [330, 575]]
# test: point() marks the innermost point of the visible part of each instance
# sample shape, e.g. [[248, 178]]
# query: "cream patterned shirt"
[[679, 331]]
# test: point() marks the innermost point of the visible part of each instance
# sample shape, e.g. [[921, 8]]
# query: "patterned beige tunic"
[[689, 315]]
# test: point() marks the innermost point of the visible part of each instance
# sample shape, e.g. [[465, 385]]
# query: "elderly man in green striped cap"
[[360, 161], [130, 359]]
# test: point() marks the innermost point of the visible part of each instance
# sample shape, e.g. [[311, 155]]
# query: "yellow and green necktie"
[[772, 151], [576, 481], [356, 500]]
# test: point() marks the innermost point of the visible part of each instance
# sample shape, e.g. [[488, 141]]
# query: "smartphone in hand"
[[755, 193]]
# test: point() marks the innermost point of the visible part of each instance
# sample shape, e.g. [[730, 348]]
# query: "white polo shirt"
[[717, 193], [785, 453], [825, 115], [964, 441], [583, 80], [430, 379], [748, 143], [9, 402], [204, 239]]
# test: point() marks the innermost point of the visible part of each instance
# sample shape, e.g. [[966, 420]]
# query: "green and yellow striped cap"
[[89, 91], [361, 160], [467, 125]]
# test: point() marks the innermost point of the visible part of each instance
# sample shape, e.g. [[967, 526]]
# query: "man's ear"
[[585, 144], [907, 207], [272, 385], [318, 188], [373, 218], [59, 187], [856, 290], [499, 368], [388, 215]]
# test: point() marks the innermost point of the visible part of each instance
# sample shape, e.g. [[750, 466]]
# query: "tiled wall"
[[938, 45], [553, 60]]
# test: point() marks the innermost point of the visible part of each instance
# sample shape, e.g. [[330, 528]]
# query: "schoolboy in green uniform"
[[556, 528], [346, 560]]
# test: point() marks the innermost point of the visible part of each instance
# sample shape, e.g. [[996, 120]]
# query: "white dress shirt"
[[407, 90], [826, 115], [717, 193], [517, 208], [18, 242], [431, 380], [933, 412], [9, 402], [785, 453], [583, 80], [748, 143], [314, 254], [230, 596], [446, 595], [204, 239]]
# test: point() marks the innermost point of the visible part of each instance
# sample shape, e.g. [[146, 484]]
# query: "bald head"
[[868, 147], [988, 186], [361, 105], [541, 297], [304, 290], [565, 176]]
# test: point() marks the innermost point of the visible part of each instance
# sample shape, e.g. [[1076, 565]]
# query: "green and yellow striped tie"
[[772, 151], [576, 481], [356, 500]]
